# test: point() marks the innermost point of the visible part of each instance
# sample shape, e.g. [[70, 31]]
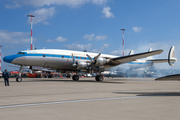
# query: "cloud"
[[41, 15], [104, 47], [49, 40], [107, 13], [78, 47], [14, 37], [46, 23], [137, 29], [101, 49], [58, 39], [89, 37], [41, 3], [92, 37], [120, 52], [13, 6], [99, 2], [115, 52], [86, 47], [103, 37]]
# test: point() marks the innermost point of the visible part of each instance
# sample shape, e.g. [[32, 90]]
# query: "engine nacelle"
[[100, 61], [81, 65]]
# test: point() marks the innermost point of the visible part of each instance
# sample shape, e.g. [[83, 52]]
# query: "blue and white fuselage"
[[53, 58]]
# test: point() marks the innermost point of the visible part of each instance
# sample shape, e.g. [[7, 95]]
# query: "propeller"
[[95, 58]]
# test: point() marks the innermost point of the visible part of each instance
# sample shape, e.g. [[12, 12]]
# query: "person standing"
[[6, 78]]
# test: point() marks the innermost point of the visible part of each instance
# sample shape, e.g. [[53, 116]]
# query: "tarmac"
[[86, 99]]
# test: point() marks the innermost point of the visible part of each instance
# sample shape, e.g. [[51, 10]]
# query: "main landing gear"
[[98, 78], [75, 77]]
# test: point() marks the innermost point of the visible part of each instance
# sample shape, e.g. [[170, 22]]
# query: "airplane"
[[68, 61]]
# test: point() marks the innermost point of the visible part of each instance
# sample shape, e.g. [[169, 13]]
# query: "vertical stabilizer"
[[131, 52], [150, 57], [171, 56], [150, 49]]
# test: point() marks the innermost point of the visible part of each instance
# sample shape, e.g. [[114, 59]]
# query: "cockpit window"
[[21, 53]]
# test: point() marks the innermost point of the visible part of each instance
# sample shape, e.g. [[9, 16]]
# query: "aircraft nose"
[[8, 59]]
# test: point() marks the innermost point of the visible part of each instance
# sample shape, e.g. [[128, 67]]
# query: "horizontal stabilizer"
[[162, 60]]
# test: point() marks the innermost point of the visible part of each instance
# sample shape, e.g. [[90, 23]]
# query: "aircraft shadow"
[[151, 93]]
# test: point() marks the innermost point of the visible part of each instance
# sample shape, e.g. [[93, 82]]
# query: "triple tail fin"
[[171, 56], [131, 52]]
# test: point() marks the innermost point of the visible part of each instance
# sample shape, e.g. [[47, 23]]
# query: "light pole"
[[31, 28], [123, 39]]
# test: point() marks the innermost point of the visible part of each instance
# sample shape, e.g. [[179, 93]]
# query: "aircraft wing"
[[170, 77], [130, 58]]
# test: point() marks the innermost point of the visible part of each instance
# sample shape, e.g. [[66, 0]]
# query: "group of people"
[[6, 78]]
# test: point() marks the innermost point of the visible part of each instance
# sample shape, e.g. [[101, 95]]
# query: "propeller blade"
[[96, 57], [89, 57], [74, 64]]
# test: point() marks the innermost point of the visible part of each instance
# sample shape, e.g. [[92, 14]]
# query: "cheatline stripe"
[[70, 101]]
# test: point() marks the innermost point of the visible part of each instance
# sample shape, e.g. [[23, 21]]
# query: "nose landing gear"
[[19, 78]]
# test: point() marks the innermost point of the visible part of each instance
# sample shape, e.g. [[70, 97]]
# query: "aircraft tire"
[[68, 76], [99, 78], [75, 77], [19, 79]]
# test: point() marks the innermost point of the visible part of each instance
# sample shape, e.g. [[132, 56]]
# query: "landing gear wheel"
[[75, 77], [99, 78], [68, 76], [50, 75], [18, 79]]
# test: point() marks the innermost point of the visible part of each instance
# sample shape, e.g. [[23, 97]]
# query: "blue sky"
[[93, 25]]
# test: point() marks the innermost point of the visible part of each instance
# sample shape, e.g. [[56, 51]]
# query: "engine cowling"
[[81, 65], [100, 61]]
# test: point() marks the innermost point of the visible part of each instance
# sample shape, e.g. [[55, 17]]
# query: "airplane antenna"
[[123, 39], [31, 28]]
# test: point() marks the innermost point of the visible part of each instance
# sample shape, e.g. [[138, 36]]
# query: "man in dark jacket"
[[6, 78]]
